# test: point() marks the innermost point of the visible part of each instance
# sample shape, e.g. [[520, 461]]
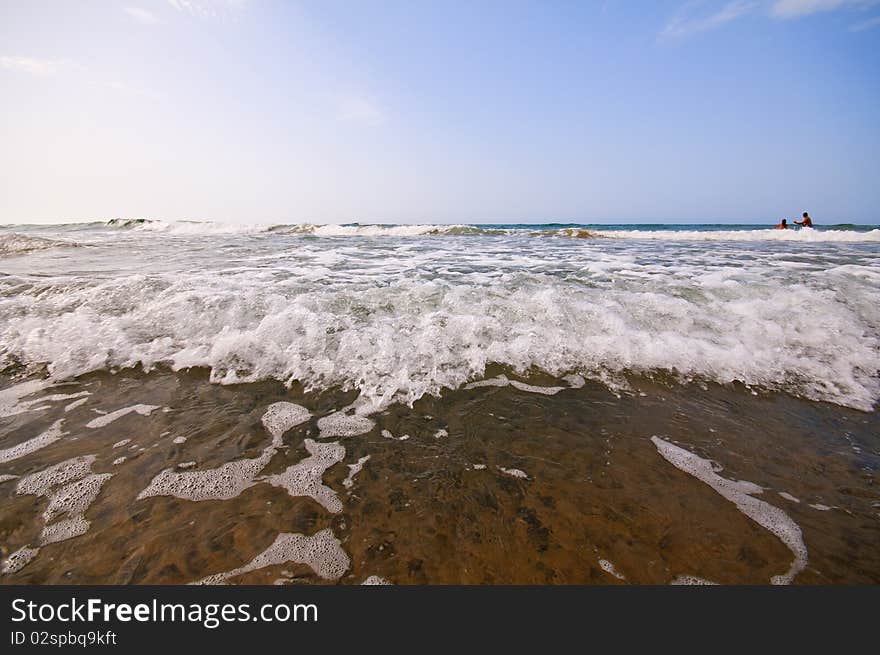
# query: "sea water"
[[739, 343]]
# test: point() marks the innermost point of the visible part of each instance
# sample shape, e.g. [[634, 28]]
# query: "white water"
[[425, 308]]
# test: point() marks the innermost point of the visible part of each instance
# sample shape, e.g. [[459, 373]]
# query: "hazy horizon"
[[250, 111]]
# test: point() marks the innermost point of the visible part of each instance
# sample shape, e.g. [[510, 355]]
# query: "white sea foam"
[[42, 440], [353, 470], [322, 552], [396, 319], [39, 483], [514, 473], [375, 580], [574, 380], [387, 434], [11, 402], [76, 403], [221, 483], [691, 580], [340, 424], [497, 381], [107, 419], [71, 488], [10, 398], [531, 388], [282, 416], [19, 559], [304, 477], [608, 567], [740, 492], [75, 497]]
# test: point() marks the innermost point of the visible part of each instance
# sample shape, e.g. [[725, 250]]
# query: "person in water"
[[783, 225], [807, 222]]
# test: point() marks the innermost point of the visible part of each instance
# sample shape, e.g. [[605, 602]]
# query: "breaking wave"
[[397, 342], [12, 243]]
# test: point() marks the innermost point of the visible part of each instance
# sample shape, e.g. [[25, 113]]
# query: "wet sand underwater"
[[516, 480]]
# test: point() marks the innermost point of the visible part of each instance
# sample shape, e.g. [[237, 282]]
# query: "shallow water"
[[516, 404], [448, 504]]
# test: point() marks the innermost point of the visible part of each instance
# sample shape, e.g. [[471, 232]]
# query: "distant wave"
[[185, 227], [841, 233], [385, 230], [12, 243]]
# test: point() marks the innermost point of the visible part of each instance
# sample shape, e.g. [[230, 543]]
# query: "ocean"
[[512, 404]]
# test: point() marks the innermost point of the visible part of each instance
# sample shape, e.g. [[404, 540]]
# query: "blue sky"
[[332, 111]]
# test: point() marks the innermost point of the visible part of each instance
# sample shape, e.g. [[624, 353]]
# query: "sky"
[[256, 111]]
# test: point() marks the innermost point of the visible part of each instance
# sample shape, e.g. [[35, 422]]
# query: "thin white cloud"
[[141, 15], [32, 65], [361, 111], [866, 25], [687, 22], [209, 8], [797, 8]]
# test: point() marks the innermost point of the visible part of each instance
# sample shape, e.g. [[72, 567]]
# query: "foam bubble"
[[821, 507], [10, 397], [341, 424], [387, 434], [48, 437], [19, 559], [6, 478], [282, 416], [40, 482], [608, 567], [119, 460], [498, 381], [120, 444], [353, 470], [106, 419], [75, 497], [375, 580], [178, 440], [305, 477], [691, 580], [788, 496], [441, 434], [221, 483], [764, 514], [530, 388], [71, 488], [64, 529], [516, 473], [322, 552]]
